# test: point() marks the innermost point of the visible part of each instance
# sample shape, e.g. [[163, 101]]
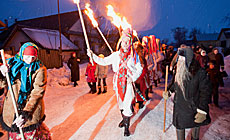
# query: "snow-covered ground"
[[74, 114]]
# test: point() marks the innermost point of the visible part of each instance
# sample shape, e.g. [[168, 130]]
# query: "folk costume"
[[127, 68], [141, 84], [151, 61], [159, 57], [28, 84]]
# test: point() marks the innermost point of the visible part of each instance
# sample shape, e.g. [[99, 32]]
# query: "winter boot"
[[151, 89], [195, 133], [141, 105], [147, 94], [126, 124], [121, 124], [90, 91], [155, 82], [180, 133], [105, 89], [99, 90], [159, 80]]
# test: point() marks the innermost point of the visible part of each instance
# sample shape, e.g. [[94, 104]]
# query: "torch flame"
[[76, 1], [89, 13], [135, 33], [117, 21]]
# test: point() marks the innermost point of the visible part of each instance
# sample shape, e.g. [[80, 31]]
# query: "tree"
[[193, 33], [179, 34]]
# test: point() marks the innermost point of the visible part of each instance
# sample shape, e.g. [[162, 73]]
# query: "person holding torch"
[[28, 77], [127, 68]]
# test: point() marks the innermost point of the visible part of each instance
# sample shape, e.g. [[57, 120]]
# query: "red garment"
[[30, 50], [142, 82], [90, 73], [122, 74], [40, 133]]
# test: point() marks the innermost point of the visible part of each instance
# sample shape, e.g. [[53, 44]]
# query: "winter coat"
[[74, 67], [101, 71], [203, 60], [34, 103], [141, 83], [90, 73], [214, 76], [219, 61], [197, 96]]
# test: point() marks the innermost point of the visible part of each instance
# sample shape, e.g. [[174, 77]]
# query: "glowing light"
[[89, 13], [116, 19], [76, 1], [135, 33]]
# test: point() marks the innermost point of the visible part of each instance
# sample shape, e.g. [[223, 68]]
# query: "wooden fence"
[[50, 58]]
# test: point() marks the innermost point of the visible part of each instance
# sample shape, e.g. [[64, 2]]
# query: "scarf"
[[122, 74], [19, 68]]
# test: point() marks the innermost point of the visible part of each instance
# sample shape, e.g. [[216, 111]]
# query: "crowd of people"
[[139, 67]]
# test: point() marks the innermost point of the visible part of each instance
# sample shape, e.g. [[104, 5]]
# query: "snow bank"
[[227, 64]]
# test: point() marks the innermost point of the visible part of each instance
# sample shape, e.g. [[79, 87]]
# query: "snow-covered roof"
[[49, 39]]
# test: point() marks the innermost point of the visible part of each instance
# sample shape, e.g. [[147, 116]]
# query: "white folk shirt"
[[136, 71]]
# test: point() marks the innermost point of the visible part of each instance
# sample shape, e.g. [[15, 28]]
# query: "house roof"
[[51, 22], [207, 37], [226, 32], [49, 39], [2, 24], [47, 22]]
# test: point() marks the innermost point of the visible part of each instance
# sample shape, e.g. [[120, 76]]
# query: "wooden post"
[[59, 25], [166, 85], [11, 91]]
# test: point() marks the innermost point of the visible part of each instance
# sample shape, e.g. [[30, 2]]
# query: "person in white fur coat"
[[127, 68]]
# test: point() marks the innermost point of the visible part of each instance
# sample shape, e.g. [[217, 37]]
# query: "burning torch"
[[89, 13]]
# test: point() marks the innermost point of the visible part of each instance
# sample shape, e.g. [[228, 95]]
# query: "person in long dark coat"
[[73, 64], [192, 89]]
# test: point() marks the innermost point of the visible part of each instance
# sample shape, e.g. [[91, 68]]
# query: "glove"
[[20, 121], [4, 69], [129, 80], [89, 53], [166, 95], [199, 117]]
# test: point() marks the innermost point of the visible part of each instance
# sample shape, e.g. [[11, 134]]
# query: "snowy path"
[[74, 114]]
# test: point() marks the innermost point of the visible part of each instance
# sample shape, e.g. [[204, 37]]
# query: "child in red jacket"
[[90, 77]]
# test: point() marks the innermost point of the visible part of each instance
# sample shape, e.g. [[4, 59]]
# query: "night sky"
[[207, 15]]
